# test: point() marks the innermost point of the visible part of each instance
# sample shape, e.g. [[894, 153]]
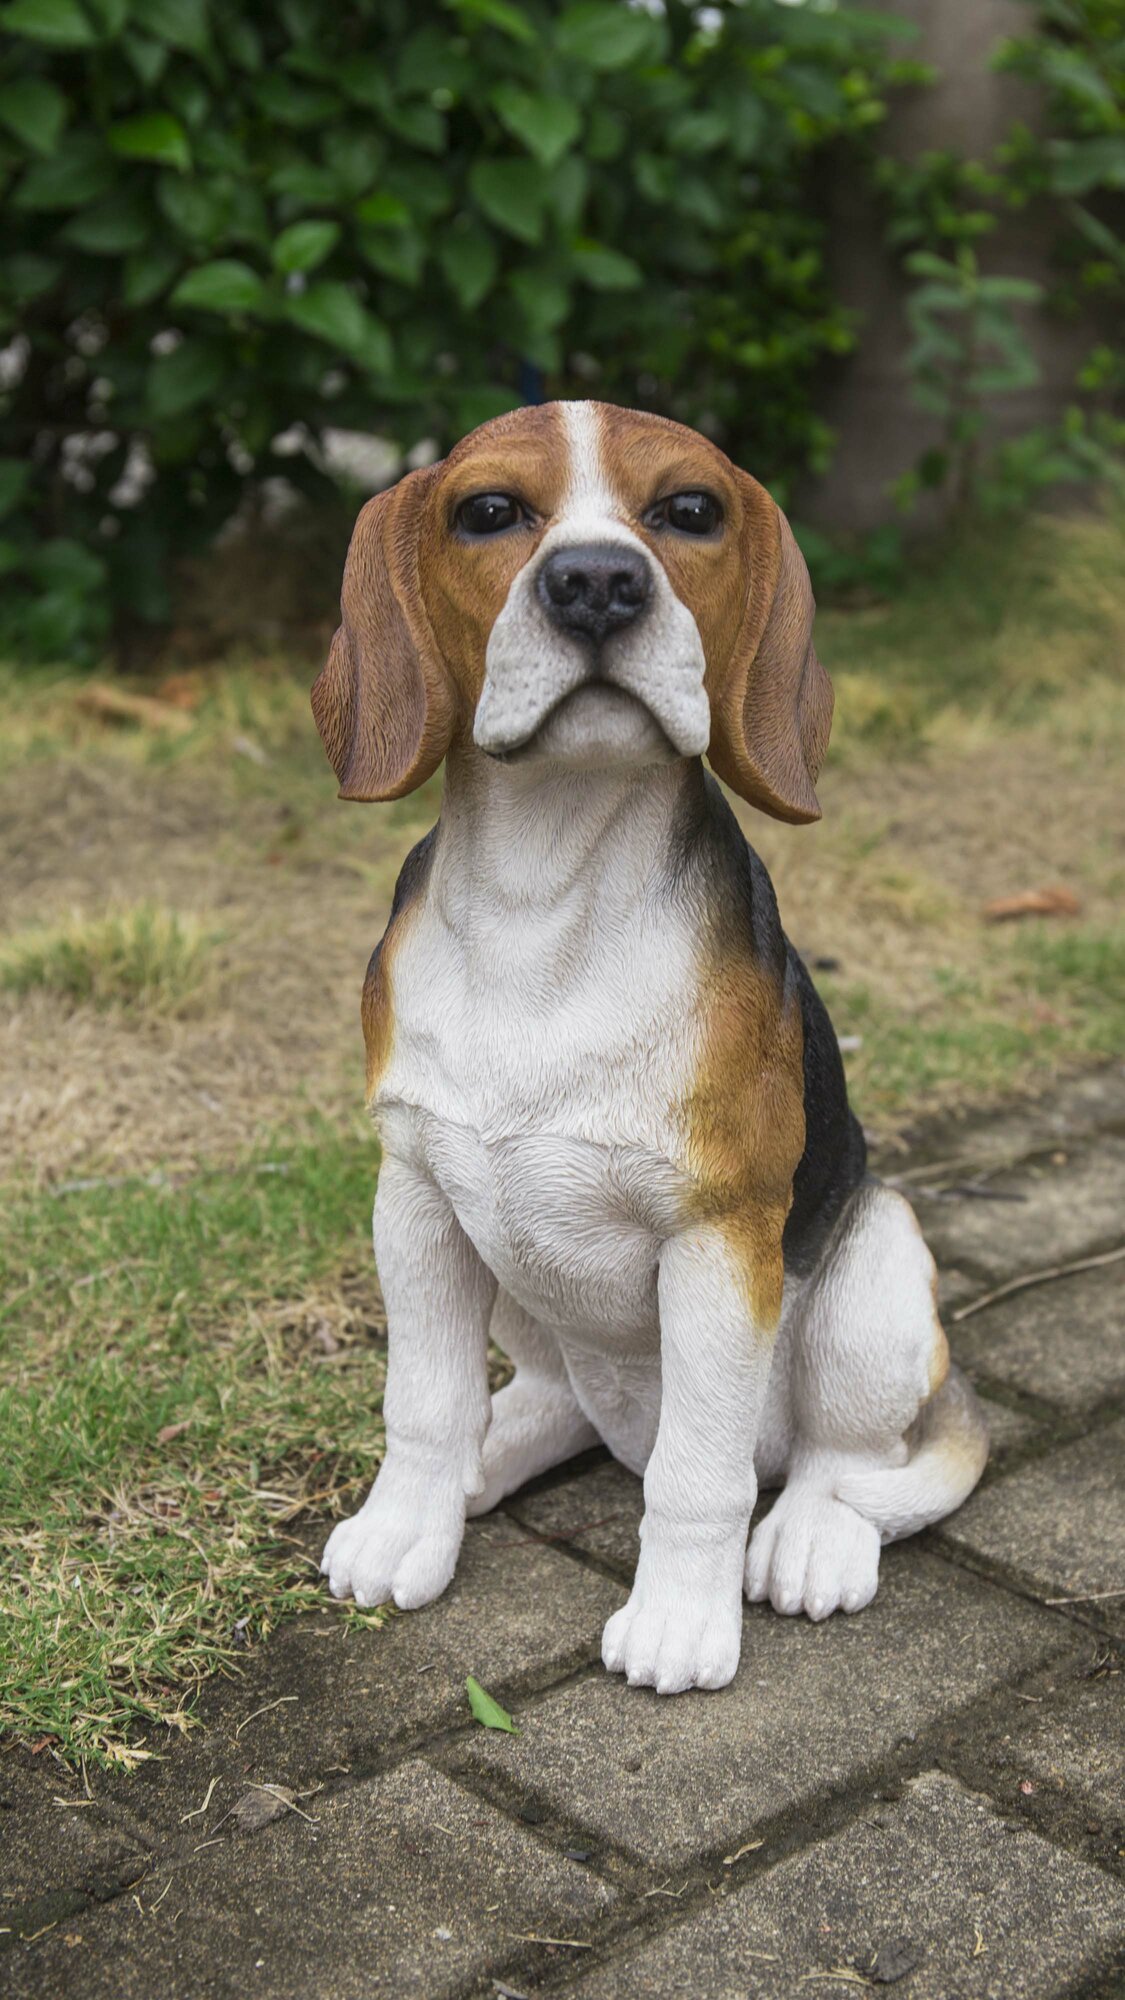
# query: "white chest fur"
[[542, 998]]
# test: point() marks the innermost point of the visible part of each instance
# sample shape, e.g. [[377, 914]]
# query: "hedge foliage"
[[389, 215]]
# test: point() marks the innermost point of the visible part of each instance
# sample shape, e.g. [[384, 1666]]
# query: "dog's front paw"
[[813, 1553], [675, 1642], [402, 1545]]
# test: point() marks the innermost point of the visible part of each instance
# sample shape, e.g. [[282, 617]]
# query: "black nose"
[[595, 589]]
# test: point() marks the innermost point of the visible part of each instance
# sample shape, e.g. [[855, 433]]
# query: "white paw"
[[674, 1642], [402, 1545], [813, 1554]]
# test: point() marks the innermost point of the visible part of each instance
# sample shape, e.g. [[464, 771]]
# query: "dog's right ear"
[[384, 703]]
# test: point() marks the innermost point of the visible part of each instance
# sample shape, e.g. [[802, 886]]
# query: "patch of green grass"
[[150, 960], [1051, 998], [185, 1370], [994, 630]]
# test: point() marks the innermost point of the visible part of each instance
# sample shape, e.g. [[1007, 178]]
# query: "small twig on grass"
[[1087, 1597], [197, 1811], [730, 1859], [530, 1937], [255, 1713], [1043, 1277]]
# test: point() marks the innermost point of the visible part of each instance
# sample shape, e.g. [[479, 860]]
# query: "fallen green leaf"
[[487, 1711]]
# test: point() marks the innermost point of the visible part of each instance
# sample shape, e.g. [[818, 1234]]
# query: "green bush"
[[224, 220]]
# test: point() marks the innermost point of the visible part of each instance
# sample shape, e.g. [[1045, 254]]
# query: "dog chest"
[[543, 1102]]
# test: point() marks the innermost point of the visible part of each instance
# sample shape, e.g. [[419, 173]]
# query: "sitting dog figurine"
[[613, 1115]]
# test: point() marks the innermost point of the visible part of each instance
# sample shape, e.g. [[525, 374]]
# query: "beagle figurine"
[[614, 1125]]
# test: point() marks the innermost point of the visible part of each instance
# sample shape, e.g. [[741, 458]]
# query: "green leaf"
[[496, 14], [152, 135], [148, 272], [26, 276], [77, 172], [61, 24], [188, 376], [332, 312], [227, 285], [35, 111], [604, 34], [697, 132], [397, 253], [292, 103], [544, 298], [384, 211], [304, 245], [111, 15], [419, 125], [606, 270], [487, 1711], [470, 261], [547, 126], [111, 228], [14, 475], [512, 195], [182, 23]]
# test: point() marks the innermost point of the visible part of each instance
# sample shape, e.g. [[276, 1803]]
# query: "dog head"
[[580, 583]]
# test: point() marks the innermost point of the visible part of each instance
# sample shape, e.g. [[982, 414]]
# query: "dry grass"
[[147, 961]]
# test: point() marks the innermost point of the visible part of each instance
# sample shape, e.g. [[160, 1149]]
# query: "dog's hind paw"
[[674, 1645], [398, 1547], [812, 1553]]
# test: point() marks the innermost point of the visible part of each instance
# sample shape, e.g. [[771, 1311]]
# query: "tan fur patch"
[[744, 1118], [376, 1008]]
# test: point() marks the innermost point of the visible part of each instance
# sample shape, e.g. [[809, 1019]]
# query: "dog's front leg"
[[682, 1626], [403, 1543]]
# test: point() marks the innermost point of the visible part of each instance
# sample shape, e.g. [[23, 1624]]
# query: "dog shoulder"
[[771, 1144], [376, 1007]]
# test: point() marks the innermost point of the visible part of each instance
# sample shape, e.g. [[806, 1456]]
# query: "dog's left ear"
[[384, 703], [772, 713]]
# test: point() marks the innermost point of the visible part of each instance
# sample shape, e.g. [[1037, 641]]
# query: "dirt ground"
[[887, 887]]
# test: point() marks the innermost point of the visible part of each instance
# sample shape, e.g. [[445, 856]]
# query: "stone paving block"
[[335, 1695], [403, 1884], [598, 1511], [1060, 1119], [673, 1778], [57, 1848], [1068, 1208], [1059, 1523], [1072, 1745], [935, 1890], [1064, 1341]]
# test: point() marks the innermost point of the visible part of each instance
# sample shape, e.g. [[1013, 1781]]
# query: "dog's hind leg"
[[886, 1436], [536, 1421]]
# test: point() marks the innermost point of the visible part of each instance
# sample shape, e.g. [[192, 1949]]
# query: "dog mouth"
[[594, 723]]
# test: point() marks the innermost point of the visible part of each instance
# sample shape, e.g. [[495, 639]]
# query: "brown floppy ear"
[[383, 703], [772, 714]]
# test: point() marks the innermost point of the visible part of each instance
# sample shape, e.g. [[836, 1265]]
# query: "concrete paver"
[[1059, 1523], [809, 1707], [1070, 1203], [326, 1697], [1063, 1342], [936, 1890], [403, 1884], [1066, 1756]]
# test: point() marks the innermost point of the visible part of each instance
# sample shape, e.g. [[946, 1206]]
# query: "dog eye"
[[687, 513], [489, 513]]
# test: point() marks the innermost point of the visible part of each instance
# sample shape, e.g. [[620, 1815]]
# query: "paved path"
[[930, 1795]]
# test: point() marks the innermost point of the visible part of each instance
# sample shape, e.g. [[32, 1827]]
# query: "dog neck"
[[570, 853]]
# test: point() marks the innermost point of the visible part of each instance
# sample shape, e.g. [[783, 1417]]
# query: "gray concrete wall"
[[881, 431]]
